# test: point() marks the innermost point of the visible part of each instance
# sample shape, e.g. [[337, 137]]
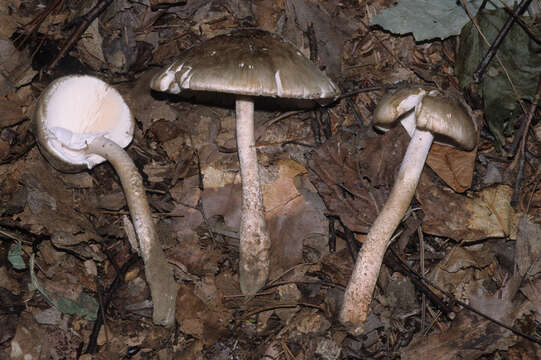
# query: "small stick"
[[478, 74], [504, 69], [37, 21], [518, 161], [93, 342], [85, 23]]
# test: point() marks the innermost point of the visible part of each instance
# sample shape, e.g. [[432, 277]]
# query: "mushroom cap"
[[393, 105], [444, 116], [249, 62], [74, 110], [448, 118]]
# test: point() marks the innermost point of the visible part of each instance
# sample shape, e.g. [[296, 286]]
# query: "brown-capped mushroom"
[[427, 115], [79, 122], [248, 63]]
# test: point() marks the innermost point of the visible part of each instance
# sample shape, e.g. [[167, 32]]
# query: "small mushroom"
[[79, 122], [248, 63], [426, 115]]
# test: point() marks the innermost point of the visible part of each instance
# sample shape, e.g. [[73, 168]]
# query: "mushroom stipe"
[[424, 115], [248, 63], [79, 122]]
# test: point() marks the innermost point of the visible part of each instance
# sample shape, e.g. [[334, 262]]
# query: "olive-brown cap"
[[448, 120], [393, 105], [444, 116], [248, 62]]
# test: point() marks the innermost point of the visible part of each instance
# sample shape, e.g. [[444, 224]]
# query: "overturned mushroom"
[[248, 63], [79, 122], [425, 115]]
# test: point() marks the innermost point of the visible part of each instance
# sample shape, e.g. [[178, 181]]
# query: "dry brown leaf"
[[279, 188], [197, 319], [294, 216], [454, 166], [16, 65], [10, 112], [468, 338], [487, 214], [354, 175], [50, 206], [528, 247], [144, 105]]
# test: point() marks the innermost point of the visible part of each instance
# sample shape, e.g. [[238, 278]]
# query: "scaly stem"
[[158, 273], [254, 237], [361, 285]]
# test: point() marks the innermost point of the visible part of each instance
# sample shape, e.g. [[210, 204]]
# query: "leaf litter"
[[326, 175]]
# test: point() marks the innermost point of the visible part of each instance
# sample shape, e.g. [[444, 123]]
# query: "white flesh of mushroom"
[[254, 236], [358, 295], [81, 110], [84, 121]]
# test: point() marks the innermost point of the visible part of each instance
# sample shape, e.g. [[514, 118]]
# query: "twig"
[[483, 4], [395, 262], [308, 282], [422, 265], [86, 20], [454, 300], [93, 341], [358, 118], [504, 69], [518, 161], [99, 287], [478, 74], [295, 142], [37, 21], [280, 306], [312, 41], [521, 22]]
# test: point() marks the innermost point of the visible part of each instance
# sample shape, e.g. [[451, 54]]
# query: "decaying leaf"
[[454, 166], [528, 246], [486, 214], [15, 67], [10, 112], [295, 216], [354, 175], [51, 206], [294, 212], [469, 337], [196, 318]]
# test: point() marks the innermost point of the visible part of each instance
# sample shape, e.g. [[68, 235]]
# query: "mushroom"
[[79, 122], [248, 63], [425, 115]]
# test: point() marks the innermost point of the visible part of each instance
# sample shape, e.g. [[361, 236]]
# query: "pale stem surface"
[[361, 285], [254, 236], [158, 273]]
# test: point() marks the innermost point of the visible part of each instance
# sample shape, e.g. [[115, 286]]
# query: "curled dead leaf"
[[487, 214]]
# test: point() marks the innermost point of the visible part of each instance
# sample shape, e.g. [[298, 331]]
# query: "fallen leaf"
[[528, 247], [10, 112], [354, 175], [197, 319], [452, 165], [469, 337], [486, 214]]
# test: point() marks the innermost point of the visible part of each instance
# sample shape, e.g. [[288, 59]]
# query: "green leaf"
[[15, 256], [426, 19], [518, 53], [85, 306]]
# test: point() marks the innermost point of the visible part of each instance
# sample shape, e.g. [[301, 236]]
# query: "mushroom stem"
[[361, 285], [254, 237], [157, 271]]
